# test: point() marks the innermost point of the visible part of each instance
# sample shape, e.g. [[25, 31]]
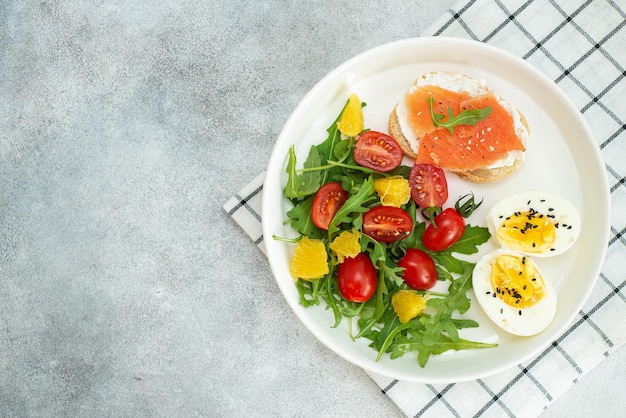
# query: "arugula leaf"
[[301, 185], [440, 325], [292, 187], [334, 136], [300, 216], [388, 272], [351, 181], [343, 149], [308, 292], [447, 260], [327, 148], [355, 203], [403, 344], [311, 181], [414, 240], [472, 237], [466, 117]]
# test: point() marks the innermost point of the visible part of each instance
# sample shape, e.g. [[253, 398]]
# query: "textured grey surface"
[[125, 289]]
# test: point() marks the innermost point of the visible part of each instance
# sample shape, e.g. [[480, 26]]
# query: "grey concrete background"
[[125, 289]]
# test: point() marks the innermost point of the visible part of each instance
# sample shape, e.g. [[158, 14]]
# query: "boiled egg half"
[[513, 293], [535, 223]]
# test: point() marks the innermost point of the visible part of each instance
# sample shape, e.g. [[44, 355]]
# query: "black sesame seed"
[[520, 312]]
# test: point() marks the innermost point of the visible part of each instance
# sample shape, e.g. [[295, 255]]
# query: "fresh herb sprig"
[[466, 117]]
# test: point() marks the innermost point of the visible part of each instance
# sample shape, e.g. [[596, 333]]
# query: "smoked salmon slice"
[[469, 147]]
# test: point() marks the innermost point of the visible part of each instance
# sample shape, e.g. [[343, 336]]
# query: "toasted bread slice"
[[409, 137]]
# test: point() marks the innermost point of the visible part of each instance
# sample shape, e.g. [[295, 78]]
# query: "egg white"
[[561, 211], [518, 321]]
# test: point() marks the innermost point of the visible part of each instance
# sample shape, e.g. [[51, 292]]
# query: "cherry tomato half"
[[377, 151], [450, 225], [420, 272], [327, 201], [387, 223], [356, 278], [429, 187]]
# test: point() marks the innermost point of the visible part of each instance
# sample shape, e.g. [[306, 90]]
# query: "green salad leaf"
[[356, 204], [301, 185], [301, 221], [466, 117]]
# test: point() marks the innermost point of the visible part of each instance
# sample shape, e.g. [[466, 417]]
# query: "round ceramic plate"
[[562, 158]]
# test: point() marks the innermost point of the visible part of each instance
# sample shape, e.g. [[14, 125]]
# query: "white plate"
[[562, 157]]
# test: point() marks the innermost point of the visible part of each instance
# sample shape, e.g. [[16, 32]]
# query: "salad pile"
[[375, 237]]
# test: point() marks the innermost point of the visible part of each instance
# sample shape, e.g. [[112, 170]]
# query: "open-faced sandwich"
[[456, 122]]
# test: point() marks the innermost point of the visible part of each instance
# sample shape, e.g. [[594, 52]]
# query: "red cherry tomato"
[[387, 223], [356, 278], [429, 187], [377, 151], [327, 201], [420, 272], [450, 225]]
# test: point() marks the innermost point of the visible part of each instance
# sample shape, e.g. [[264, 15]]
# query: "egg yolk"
[[517, 281], [529, 231]]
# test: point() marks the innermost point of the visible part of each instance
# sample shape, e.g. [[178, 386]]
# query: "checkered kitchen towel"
[[580, 45]]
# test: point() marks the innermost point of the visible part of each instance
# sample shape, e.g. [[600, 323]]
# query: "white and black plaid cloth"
[[580, 45]]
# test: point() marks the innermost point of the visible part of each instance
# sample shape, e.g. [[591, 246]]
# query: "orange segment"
[[309, 261], [351, 120], [393, 191], [407, 304], [346, 244]]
